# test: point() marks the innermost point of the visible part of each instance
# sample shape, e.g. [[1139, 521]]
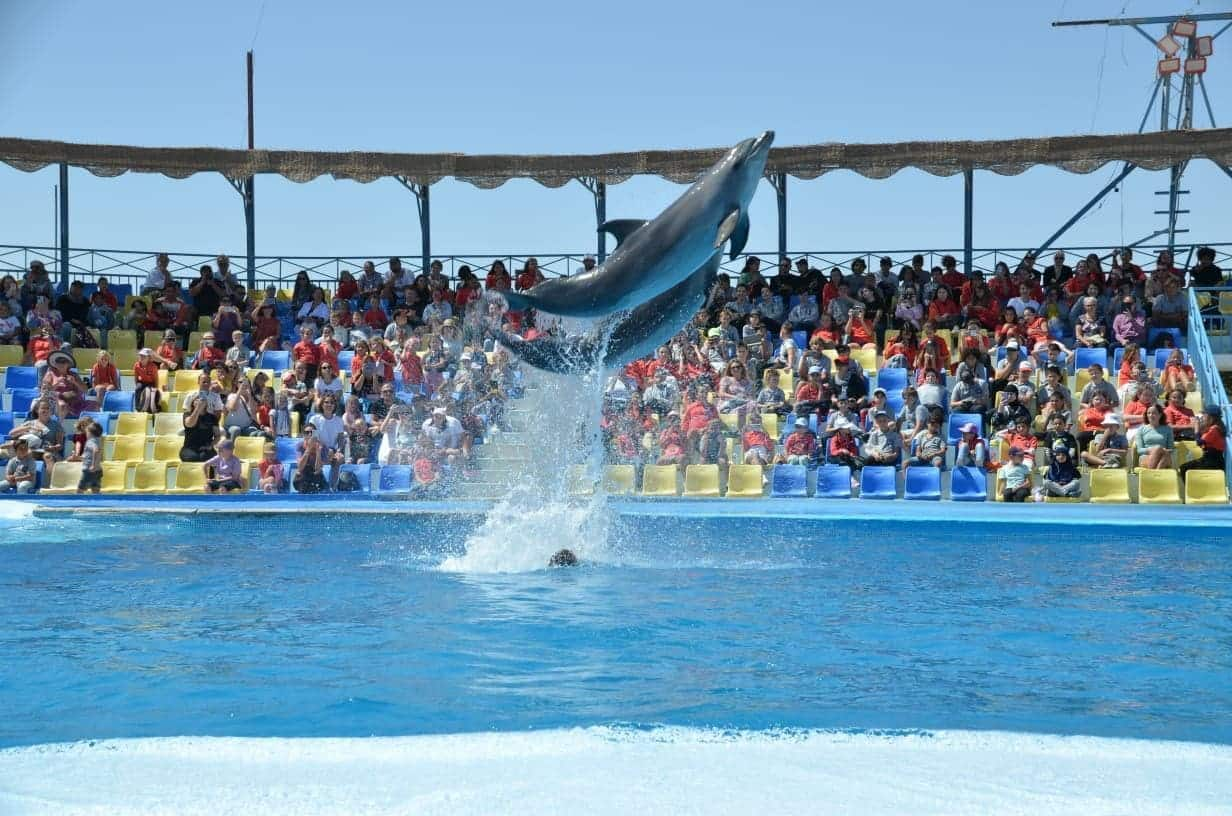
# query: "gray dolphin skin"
[[630, 336], [660, 254]]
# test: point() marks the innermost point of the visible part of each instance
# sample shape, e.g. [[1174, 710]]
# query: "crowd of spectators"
[[402, 367]]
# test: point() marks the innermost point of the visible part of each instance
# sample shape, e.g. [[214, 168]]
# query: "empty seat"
[[64, 478], [277, 360], [789, 481], [968, 484], [770, 424], [922, 484], [131, 423], [1109, 486], [168, 424], [185, 381], [85, 358], [115, 477], [344, 361], [729, 421], [6, 423], [149, 478], [867, 358], [1206, 487], [1158, 487], [194, 342], [362, 474], [189, 478], [151, 338], [129, 448], [11, 355], [744, 481], [618, 479], [19, 376], [167, 448], [122, 338], [124, 358], [250, 448], [834, 482], [21, 399], [288, 449], [892, 379], [659, 480], [1086, 357], [877, 482], [118, 401], [701, 480], [395, 479], [1153, 340]]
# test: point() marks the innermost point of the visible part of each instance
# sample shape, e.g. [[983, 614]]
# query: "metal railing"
[[132, 266], [1203, 357]]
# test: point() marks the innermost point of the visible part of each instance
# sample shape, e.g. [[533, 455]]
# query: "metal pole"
[[64, 224], [780, 190], [250, 194], [1129, 167], [425, 225], [601, 218], [968, 216]]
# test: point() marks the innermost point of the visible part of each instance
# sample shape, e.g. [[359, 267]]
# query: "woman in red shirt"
[[103, 376], [944, 310], [860, 329], [1177, 373], [1128, 357], [347, 286], [411, 366], [905, 344], [266, 329], [828, 332], [1179, 418], [1213, 439]]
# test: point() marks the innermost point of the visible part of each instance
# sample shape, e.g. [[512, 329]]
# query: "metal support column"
[[779, 182], [420, 191], [64, 224], [248, 191], [968, 217], [600, 219], [1112, 185]]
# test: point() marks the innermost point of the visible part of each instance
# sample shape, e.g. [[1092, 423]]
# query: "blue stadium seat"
[[344, 360], [117, 401], [394, 479], [1117, 356], [21, 400], [6, 423], [789, 482], [121, 291], [800, 338], [922, 484], [877, 482], [1153, 335], [958, 420], [834, 482], [1085, 357], [101, 417], [894, 401], [287, 449], [20, 377], [363, 475], [1161, 357], [279, 361], [968, 484], [892, 379]]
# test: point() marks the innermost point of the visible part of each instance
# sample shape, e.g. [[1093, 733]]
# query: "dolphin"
[[624, 338], [656, 255]]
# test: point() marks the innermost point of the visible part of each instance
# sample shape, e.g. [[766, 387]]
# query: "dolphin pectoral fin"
[[740, 237], [622, 228], [727, 227]]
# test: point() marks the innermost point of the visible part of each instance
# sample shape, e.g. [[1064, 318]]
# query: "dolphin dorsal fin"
[[622, 228]]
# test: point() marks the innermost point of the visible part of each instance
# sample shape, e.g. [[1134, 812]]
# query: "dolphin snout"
[[761, 145]]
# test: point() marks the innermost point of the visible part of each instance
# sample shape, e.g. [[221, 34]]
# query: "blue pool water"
[[293, 626]]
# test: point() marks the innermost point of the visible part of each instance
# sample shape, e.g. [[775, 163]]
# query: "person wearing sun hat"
[[1111, 446], [800, 446], [68, 388]]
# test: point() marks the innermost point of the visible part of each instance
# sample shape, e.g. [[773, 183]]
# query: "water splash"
[[16, 511]]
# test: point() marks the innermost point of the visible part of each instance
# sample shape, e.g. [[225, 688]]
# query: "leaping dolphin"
[[630, 336], [661, 253]]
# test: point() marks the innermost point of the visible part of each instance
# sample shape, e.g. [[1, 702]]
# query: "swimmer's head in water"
[[563, 558]]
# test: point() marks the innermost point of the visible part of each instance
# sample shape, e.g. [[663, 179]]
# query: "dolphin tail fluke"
[[740, 237]]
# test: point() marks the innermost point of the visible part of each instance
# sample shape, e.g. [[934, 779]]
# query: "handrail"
[[132, 266], [1203, 361]]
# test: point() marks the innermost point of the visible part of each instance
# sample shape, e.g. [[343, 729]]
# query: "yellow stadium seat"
[[1186, 451], [204, 323], [131, 299], [11, 356], [580, 483], [64, 478], [745, 482], [867, 358], [185, 381], [129, 449], [167, 448], [770, 423], [659, 480], [618, 479], [891, 335], [1193, 401], [168, 424], [1081, 379], [274, 382], [1225, 303], [115, 477], [124, 359], [729, 421], [194, 342], [284, 295], [149, 478], [832, 354], [122, 338], [132, 423], [699, 480], [1158, 487], [189, 478], [151, 338], [1109, 486], [96, 334], [250, 448], [1206, 487], [85, 358]]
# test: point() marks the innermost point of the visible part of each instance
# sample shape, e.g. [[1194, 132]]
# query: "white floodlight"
[[1168, 45], [1184, 28], [1195, 65], [1169, 65], [1204, 46]]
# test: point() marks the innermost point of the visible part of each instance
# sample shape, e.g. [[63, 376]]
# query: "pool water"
[[336, 626]]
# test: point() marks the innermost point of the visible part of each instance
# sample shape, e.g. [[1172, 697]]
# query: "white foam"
[[16, 510], [620, 771]]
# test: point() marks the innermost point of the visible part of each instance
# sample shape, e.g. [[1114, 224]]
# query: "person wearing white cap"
[[447, 436], [1111, 446], [800, 446], [843, 448]]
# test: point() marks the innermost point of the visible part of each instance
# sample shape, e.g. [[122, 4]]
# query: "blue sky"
[[577, 77]]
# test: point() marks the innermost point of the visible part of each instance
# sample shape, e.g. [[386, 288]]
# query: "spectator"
[[1129, 326], [970, 396], [241, 412], [160, 276], [1170, 309], [1010, 411], [800, 446], [1179, 418], [309, 467], [101, 315], [10, 325], [1178, 374], [883, 445], [929, 445], [1154, 442], [147, 397], [202, 415], [1015, 476], [804, 315], [65, 385], [21, 471], [447, 437], [331, 435], [103, 377], [92, 460], [1098, 385], [223, 471], [206, 292], [1111, 446], [43, 433], [209, 356], [271, 479], [757, 444], [1062, 480], [1091, 419], [1019, 436], [1212, 439], [972, 450], [1206, 273]]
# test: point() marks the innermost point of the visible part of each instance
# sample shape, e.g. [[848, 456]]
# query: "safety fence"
[[1198, 340]]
